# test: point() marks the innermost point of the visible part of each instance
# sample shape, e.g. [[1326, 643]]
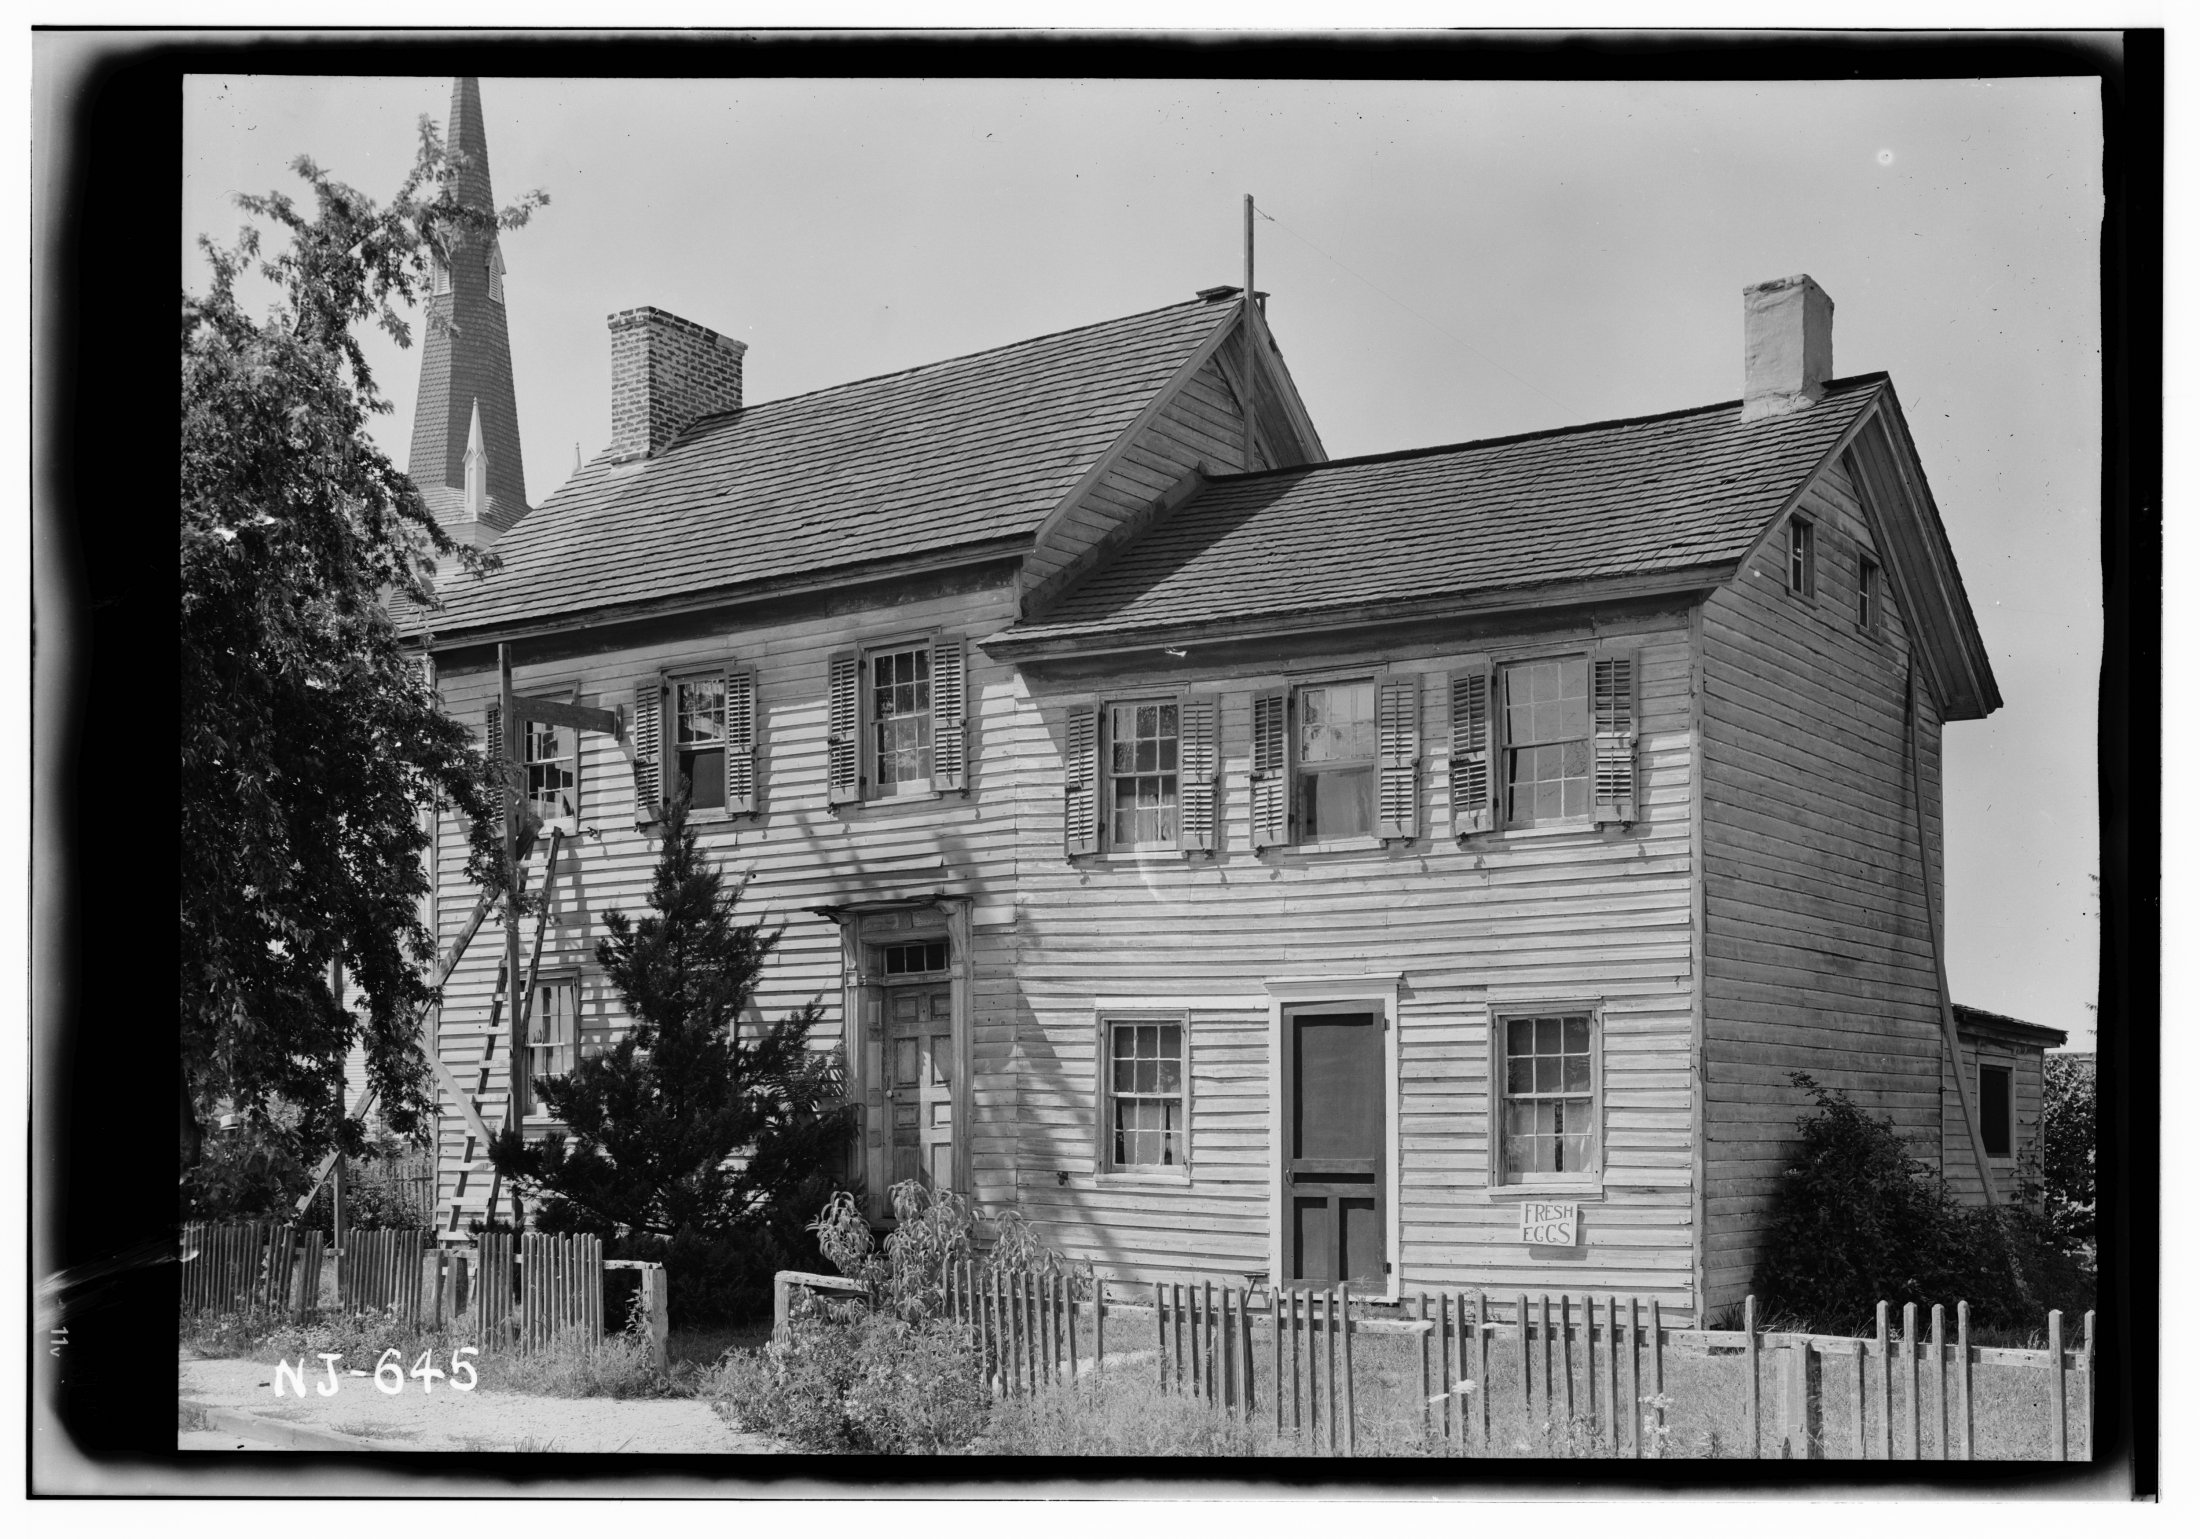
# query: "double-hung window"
[[1142, 775], [1867, 593], [545, 763], [1143, 1060], [553, 1034], [695, 729], [1997, 1109], [895, 721], [1548, 754], [1333, 795], [1548, 1110], [1337, 759]]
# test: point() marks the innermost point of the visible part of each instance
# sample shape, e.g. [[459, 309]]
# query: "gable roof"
[[1611, 500], [973, 450]]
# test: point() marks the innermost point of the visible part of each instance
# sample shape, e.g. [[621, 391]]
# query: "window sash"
[[553, 1034], [1549, 760], [1143, 755], [1145, 1064], [1549, 1091], [1801, 558], [550, 760], [897, 698]]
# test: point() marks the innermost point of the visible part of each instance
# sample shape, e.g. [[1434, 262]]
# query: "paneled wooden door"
[[920, 1083], [1334, 1138]]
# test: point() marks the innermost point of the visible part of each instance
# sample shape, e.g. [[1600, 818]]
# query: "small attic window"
[[439, 275], [1802, 558], [496, 272], [1867, 593]]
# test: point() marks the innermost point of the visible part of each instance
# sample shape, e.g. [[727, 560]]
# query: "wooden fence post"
[[1420, 1307], [1527, 1364], [1611, 1368], [1297, 1326], [1351, 1416], [1099, 1324], [1909, 1373], [1589, 1354], [1329, 1364], [1863, 1440], [1566, 1353], [1940, 1382], [2058, 1419], [2087, 1368], [1886, 1385], [1245, 1343], [1657, 1374], [1749, 1329], [1550, 1397], [1634, 1374], [660, 1315], [1801, 1434]]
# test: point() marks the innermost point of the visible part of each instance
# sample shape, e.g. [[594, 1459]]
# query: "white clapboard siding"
[[1817, 953], [1507, 917]]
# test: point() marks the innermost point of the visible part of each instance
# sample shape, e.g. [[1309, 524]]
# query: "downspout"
[[1940, 959]]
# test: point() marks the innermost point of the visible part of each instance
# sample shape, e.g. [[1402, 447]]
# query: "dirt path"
[[461, 1421]]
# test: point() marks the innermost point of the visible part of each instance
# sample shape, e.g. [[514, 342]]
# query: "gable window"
[[1867, 593], [1548, 755], [1333, 792], [1142, 765], [1996, 1108], [1802, 558], [553, 1034], [894, 721], [699, 740], [1144, 1061], [1548, 1112]]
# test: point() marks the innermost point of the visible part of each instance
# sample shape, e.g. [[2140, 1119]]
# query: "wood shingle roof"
[[974, 450], [1625, 499]]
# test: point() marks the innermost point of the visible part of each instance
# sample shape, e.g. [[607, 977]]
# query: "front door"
[[1333, 1175], [920, 1083]]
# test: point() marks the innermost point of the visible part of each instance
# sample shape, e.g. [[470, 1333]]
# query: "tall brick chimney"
[[666, 373], [1787, 345]]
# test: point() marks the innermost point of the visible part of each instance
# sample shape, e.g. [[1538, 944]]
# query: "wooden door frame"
[[1361, 991], [866, 1051]]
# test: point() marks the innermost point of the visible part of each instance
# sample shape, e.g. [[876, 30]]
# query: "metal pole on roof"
[[1245, 332]]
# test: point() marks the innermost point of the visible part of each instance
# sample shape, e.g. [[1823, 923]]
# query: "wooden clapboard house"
[[1244, 862]]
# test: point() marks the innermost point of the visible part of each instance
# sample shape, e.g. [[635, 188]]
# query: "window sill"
[[1169, 853], [1144, 1178], [1543, 1191]]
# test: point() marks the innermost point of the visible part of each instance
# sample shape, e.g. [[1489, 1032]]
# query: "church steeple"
[[465, 445]]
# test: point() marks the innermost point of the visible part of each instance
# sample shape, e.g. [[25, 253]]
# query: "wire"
[[1417, 315]]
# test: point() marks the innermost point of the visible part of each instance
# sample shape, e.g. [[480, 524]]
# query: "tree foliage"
[[657, 1119], [311, 743], [2068, 1132]]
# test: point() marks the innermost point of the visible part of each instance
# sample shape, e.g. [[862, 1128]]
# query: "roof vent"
[[1787, 346]]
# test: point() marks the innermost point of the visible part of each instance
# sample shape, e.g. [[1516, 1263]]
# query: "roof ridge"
[[941, 363], [1428, 450]]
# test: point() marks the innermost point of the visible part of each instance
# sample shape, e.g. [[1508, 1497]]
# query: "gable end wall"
[[1817, 949]]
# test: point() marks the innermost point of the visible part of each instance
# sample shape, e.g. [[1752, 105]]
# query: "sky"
[[1447, 261]]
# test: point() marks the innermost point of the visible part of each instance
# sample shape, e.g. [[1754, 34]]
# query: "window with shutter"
[[1472, 785], [950, 730], [1397, 756], [742, 792], [1549, 758], [843, 731], [701, 745], [1333, 749], [1080, 780], [1199, 727], [1613, 690], [648, 771], [1271, 773]]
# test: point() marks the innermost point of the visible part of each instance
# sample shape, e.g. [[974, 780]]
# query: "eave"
[[1475, 604]]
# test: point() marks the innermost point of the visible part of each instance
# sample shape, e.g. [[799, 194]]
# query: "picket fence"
[[238, 1268], [522, 1291], [1578, 1364]]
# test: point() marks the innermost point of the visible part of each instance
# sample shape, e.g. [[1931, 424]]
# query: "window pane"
[[1172, 1041], [701, 711], [1577, 1033], [705, 774], [1337, 803], [1577, 1071], [1336, 723]]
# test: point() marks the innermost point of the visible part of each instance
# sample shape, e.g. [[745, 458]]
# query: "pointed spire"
[[465, 444], [477, 467]]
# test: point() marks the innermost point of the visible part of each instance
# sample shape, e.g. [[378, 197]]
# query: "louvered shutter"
[[1081, 780], [1397, 756], [492, 743], [950, 734], [842, 729], [741, 789], [1612, 694], [1473, 753], [1271, 769], [648, 737], [1198, 728]]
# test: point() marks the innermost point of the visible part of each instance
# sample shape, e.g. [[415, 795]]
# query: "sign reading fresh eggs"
[[1550, 1223]]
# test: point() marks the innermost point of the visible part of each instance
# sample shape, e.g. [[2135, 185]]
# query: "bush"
[[244, 1174], [2067, 1126], [1856, 1220], [843, 1378]]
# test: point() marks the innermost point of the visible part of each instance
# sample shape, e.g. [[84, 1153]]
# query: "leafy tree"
[[2068, 1120], [657, 1120], [310, 741]]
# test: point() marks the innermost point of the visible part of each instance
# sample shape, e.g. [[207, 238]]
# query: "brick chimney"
[[1787, 346], [665, 374]]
